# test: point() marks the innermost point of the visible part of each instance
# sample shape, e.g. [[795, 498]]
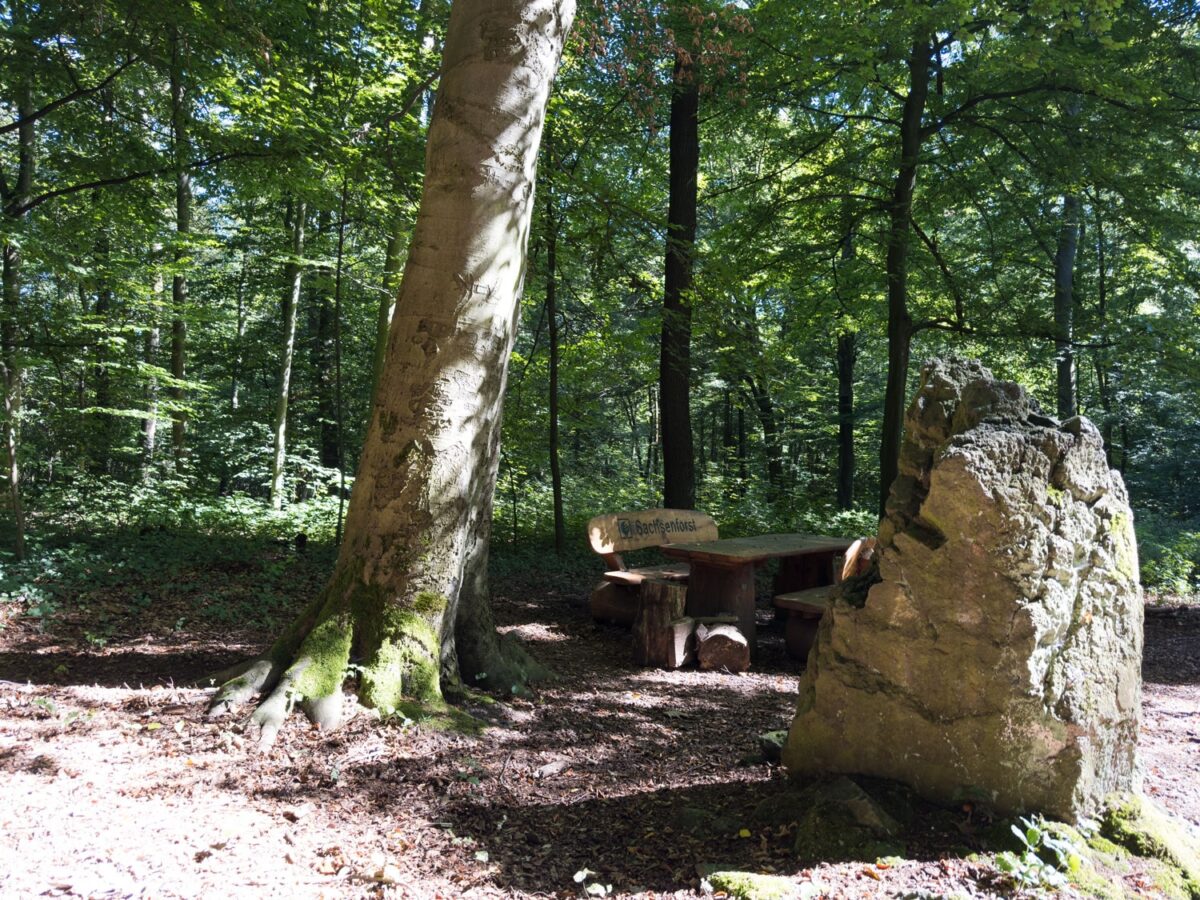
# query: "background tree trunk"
[[293, 274], [900, 325], [847, 354], [10, 313], [679, 487], [1064, 307], [180, 117], [392, 258], [560, 527]]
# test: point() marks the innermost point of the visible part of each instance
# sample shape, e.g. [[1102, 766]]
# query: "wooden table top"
[[747, 550]]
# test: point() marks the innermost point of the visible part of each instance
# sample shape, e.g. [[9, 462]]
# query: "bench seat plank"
[[813, 601], [677, 572]]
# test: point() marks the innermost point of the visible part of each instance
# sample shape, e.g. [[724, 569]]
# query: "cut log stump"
[[662, 637], [722, 647]]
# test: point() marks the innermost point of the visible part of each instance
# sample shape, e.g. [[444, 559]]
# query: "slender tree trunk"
[[1064, 307], [180, 117], [323, 352], [409, 595], [239, 340], [771, 444], [10, 361], [105, 432], [728, 442], [560, 527], [293, 273], [900, 325], [1105, 375], [847, 355], [654, 438], [392, 260], [679, 487], [152, 344]]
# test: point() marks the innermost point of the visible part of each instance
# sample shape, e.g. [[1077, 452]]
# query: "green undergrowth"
[[162, 578]]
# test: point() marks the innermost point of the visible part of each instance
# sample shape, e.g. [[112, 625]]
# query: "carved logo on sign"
[[630, 528]]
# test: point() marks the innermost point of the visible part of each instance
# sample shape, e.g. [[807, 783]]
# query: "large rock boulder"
[[997, 655]]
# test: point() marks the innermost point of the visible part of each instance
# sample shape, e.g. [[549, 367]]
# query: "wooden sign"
[[619, 532]]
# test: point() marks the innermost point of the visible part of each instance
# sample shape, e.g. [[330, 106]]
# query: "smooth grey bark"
[[239, 340], [152, 341], [292, 279], [180, 118], [408, 597], [392, 265], [560, 527]]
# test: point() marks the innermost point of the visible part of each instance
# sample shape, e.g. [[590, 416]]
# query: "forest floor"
[[112, 784]]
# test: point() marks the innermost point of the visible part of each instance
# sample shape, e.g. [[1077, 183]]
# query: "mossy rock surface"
[[752, 886], [1140, 826]]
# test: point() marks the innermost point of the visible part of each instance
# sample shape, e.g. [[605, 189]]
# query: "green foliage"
[[1170, 553], [1045, 860], [286, 103]]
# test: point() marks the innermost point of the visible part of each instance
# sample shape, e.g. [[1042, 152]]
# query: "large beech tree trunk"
[[408, 597]]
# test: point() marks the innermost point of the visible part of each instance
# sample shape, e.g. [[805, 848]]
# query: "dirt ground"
[[114, 785]]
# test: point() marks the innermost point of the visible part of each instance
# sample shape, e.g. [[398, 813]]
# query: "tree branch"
[[128, 177], [76, 94]]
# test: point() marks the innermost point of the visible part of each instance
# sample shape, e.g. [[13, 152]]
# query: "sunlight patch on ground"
[[535, 631]]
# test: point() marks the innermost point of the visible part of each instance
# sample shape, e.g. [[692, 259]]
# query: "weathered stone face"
[[999, 656]]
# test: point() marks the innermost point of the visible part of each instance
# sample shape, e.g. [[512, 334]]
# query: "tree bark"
[[11, 368], [900, 324], [679, 488], [239, 340], [408, 597], [292, 277], [847, 355], [1064, 307], [392, 259], [183, 226], [560, 527], [323, 349]]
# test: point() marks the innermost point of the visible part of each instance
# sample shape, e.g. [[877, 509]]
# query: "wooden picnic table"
[[722, 571]]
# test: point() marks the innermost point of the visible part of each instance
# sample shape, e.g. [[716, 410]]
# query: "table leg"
[[724, 590]]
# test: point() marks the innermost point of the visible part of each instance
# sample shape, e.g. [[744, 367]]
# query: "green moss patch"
[[440, 717], [752, 886], [1136, 824], [321, 662]]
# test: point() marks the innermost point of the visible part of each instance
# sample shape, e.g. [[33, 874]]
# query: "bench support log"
[[661, 637]]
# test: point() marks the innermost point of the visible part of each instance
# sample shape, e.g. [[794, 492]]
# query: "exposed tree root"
[[396, 654]]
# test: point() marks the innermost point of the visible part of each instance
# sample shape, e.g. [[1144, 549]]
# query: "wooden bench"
[[615, 599], [804, 609]]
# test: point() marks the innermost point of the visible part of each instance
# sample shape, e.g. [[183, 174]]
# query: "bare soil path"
[[113, 785]]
